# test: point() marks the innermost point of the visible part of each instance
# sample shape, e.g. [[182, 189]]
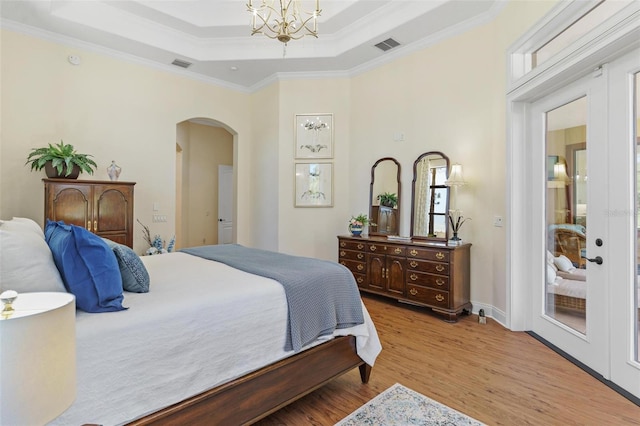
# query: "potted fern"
[[388, 199], [60, 161]]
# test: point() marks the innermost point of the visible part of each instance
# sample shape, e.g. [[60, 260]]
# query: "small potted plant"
[[357, 224], [388, 199], [60, 160]]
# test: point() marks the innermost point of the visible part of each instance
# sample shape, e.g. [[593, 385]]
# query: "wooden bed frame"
[[252, 397]]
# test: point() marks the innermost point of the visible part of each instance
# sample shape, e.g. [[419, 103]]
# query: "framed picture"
[[551, 162], [313, 136], [313, 185]]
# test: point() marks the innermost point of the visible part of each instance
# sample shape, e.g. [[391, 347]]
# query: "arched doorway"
[[202, 145]]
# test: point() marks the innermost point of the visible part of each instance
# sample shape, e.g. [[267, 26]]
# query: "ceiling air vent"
[[387, 44], [181, 63]]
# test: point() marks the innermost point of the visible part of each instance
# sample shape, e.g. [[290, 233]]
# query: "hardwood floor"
[[497, 376]]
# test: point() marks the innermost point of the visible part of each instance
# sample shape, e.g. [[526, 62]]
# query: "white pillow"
[[550, 260], [26, 262], [551, 275], [563, 263], [22, 224]]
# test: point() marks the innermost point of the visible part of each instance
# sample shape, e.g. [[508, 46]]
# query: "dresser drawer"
[[430, 267], [386, 249], [352, 245], [351, 255], [428, 254], [438, 282], [360, 279], [428, 296], [354, 266]]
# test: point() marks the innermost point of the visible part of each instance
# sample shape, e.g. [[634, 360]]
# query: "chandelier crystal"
[[284, 21]]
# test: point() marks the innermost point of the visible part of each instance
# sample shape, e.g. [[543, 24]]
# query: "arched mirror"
[[430, 197], [384, 197]]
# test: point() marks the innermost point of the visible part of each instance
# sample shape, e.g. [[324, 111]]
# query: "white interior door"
[[584, 139], [225, 204]]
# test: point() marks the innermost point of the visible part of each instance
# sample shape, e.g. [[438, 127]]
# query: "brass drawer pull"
[[440, 255], [89, 226], [413, 277], [398, 250], [413, 264], [372, 248], [413, 252], [95, 226], [342, 252], [440, 281], [439, 297], [343, 244], [439, 268], [360, 267], [360, 255], [360, 280], [343, 263], [360, 246], [413, 291]]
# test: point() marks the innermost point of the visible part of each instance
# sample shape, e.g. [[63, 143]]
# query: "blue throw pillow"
[[135, 277], [88, 267]]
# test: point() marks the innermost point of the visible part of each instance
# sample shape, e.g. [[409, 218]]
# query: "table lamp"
[[37, 357]]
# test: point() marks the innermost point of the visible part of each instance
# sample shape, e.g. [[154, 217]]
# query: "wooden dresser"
[[102, 207], [433, 275]]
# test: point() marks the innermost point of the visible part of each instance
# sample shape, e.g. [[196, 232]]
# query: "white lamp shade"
[[455, 176], [37, 358]]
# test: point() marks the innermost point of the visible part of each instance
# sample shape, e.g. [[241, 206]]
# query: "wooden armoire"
[[102, 207]]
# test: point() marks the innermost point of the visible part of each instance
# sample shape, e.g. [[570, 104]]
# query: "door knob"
[[596, 259]]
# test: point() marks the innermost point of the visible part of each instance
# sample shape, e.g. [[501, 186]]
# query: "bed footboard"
[[258, 394]]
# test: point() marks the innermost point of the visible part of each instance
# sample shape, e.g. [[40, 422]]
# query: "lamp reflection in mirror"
[[455, 180], [37, 358], [560, 177]]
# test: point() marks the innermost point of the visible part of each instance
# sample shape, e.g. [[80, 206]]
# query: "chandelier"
[[285, 22]]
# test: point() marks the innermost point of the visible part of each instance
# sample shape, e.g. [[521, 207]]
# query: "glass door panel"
[[566, 214]]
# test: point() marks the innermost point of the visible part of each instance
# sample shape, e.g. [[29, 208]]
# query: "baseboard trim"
[[490, 312], [586, 368]]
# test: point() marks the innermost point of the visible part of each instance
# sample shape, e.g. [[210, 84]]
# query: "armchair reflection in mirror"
[[384, 197], [430, 197]]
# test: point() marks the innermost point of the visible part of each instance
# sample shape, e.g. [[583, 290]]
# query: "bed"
[[228, 359]]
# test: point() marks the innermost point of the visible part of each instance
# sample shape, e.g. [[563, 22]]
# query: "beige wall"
[[449, 97], [114, 110]]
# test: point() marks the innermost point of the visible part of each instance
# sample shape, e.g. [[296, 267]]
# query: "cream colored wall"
[[114, 110], [266, 189], [209, 148], [312, 231], [449, 97]]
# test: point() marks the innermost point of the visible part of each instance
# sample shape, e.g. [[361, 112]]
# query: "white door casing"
[[225, 204]]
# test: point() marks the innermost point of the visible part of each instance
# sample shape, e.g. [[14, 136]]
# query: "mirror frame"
[[373, 170], [413, 198]]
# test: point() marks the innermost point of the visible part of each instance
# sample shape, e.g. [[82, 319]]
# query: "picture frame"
[[313, 185], [551, 162], [313, 136]]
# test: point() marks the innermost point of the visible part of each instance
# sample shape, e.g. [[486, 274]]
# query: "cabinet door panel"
[[70, 204], [111, 205], [395, 275], [376, 271]]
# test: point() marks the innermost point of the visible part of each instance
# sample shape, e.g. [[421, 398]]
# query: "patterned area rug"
[[400, 406]]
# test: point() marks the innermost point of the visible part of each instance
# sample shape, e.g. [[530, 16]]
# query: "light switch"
[[156, 206]]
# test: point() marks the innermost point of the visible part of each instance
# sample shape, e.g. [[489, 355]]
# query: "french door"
[[585, 142]]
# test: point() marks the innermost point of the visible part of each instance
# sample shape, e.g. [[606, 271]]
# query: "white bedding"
[[201, 324]]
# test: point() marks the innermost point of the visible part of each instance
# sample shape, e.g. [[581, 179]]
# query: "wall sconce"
[[37, 357]]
